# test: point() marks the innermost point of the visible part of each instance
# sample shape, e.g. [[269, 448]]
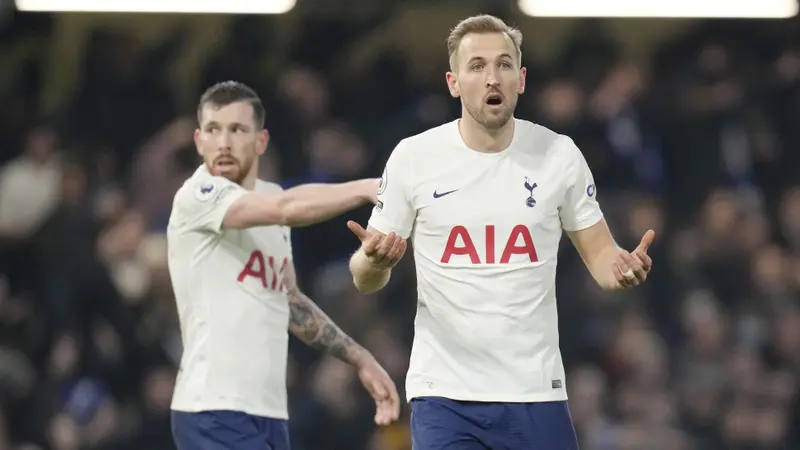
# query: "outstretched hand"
[[369, 189], [382, 389], [631, 268], [384, 251]]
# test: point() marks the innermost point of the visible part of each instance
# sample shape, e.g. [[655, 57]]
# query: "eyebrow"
[[214, 123], [481, 58]]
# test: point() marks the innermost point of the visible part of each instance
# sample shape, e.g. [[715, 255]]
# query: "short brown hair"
[[227, 92], [483, 23]]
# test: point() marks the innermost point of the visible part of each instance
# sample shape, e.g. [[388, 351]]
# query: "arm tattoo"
[[312, 326]]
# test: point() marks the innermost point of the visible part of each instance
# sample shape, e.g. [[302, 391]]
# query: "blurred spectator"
[[29, 185]]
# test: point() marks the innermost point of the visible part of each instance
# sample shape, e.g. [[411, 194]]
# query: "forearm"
[[366, 277], [312, 203], [601, 265], [312, 326]]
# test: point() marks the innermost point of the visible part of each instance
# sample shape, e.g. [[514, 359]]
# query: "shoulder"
[[533, 134], [202, 188], [268, 187], [425, 144], [538, 138], [16, 168]]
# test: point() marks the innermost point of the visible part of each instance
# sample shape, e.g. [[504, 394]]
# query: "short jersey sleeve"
[[394, 211], [580, 208], [204, 200]]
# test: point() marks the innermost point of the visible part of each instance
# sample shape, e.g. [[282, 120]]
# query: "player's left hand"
[[369, 189], [631, 268], [382, 389]]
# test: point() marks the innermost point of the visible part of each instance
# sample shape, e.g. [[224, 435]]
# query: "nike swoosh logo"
[[438, 195]]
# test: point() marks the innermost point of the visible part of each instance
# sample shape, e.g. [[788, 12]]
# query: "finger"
[[394, 401], [388, 410], [378, 391], [398, 251], [618, 275], [385, 248], [383, 413], [630, 279], [371, 244], [358, 230], [390, 257], [380, 414], [644, 258], [647, 239], [635, 265], [627, 275], [624, 267]]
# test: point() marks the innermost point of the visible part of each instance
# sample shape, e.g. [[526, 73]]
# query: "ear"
[[522, 73], [452, 84], [197, 141], [263, 141]]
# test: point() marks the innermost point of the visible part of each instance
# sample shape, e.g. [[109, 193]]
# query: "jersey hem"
[[540, 397], [586, 222], [382, 226], [228, 406]]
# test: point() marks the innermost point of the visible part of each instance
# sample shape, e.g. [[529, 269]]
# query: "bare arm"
[[312, 326], [598, 251], [315, 328], [611, 266], [299, 206]]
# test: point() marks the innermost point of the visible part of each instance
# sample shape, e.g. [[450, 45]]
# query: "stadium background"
[[690, 126]]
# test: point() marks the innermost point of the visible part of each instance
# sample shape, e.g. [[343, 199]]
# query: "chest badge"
[[530, 201]]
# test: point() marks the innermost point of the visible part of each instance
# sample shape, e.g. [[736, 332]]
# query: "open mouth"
[[225, 163], [494, 100]]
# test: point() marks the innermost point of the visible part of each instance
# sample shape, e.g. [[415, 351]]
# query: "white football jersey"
[[232, 303], [485, 230]]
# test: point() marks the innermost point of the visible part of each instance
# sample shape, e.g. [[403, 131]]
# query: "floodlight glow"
[[741, 9], [160, 6]]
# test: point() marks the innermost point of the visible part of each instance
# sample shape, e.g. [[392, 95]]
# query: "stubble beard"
[[492, 122]]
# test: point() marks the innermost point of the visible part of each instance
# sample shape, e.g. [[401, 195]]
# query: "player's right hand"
[[384, 251]]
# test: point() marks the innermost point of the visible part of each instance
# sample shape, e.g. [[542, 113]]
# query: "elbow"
[[259, 210], [286, 211], [292, 214]]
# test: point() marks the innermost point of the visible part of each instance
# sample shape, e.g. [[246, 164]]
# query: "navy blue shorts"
[[442, 424], [228, 430]]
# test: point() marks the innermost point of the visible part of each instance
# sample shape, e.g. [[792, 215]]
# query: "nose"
[[224, 140], [491, 78]]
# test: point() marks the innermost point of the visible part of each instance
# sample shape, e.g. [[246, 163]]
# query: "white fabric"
[[232, 303], [487, 325]]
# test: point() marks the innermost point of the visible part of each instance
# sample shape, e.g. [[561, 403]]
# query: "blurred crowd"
[[699, 142]]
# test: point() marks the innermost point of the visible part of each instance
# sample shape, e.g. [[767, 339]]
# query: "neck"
[[249, 181], [479, 138]]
